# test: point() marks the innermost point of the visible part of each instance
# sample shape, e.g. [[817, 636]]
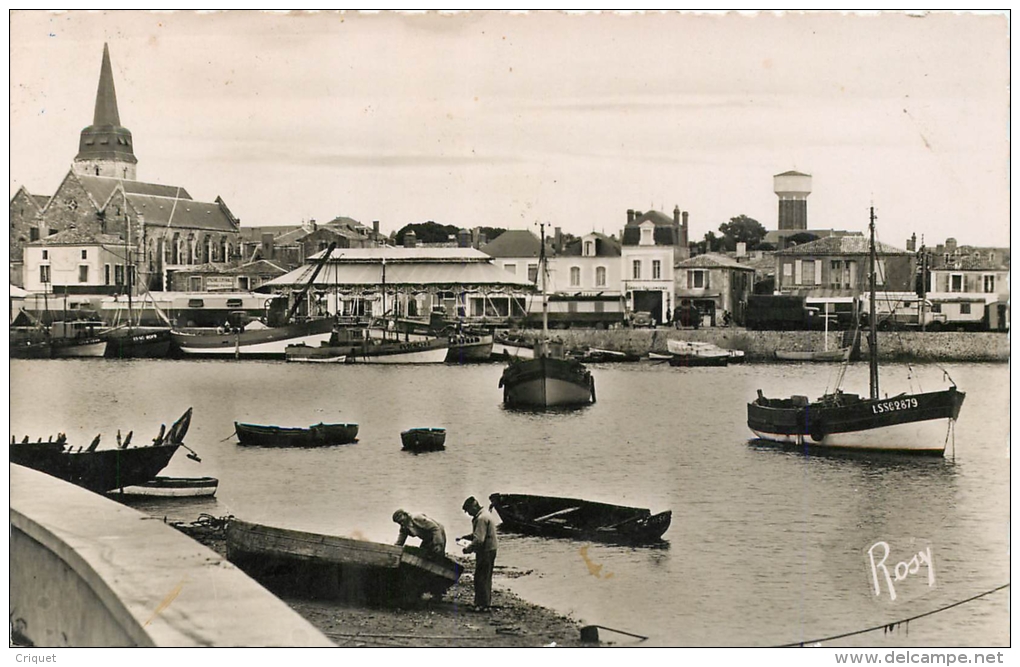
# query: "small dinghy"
[[582, 519], [318, 435], [170, 487], [424, 439]]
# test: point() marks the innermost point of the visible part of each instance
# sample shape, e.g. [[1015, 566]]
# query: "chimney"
[[267, 245], [630, 216], [463, 239], [482, 239], [375, 227], [951, 245], [912, 243], [410, 239], [676, 215], [557, 240]]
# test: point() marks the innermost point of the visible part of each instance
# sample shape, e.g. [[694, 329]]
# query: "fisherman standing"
[[483, 545]]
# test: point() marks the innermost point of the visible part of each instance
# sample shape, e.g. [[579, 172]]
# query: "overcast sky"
[[503, 120]]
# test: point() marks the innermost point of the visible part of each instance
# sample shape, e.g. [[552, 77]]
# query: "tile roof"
[[712, 260], [514, 243], [187, 214], [40, 200], [101, 187], [76, 236], [605, 246], [841, 245]]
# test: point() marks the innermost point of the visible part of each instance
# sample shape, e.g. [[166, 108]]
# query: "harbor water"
[[767, 546]]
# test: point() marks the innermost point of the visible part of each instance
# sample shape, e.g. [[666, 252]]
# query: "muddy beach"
[[448, 622]]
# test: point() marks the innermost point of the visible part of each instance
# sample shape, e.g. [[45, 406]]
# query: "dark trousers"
[[485, 561]]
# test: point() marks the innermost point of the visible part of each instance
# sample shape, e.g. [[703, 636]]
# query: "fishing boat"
[[358, 345], [595, 355], [317, 435], [582, 519], [423, 439], [510, 345], [466, 345], [693, 353], [76, 338], [338, 567], [824, 355], [103, 470], [170, 487], [258, 340], [912, 423], [550, 379]]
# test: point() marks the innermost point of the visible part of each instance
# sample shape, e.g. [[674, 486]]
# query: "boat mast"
[[541, 270], [130, 263], [873, 325]]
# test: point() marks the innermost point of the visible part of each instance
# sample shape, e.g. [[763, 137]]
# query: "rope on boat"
[[890, 627], [229, 436]]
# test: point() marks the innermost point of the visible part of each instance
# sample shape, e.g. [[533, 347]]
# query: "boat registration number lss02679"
[[890, 406]]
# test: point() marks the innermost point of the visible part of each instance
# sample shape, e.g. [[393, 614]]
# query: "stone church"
[[101, 205]]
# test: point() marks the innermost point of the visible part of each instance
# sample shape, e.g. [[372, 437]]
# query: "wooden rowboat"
[[423, 439], [170, 487], [582, 519], [318, 435], [301, 563]]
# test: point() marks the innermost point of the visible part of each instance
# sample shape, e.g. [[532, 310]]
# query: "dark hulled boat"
[[103, 470], [338, 567], [423, 439], [582, 519], [317, 435], [916, 423], [550, 379], [138, 342]]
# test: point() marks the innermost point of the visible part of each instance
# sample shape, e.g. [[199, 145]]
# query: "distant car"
[[642, 319]]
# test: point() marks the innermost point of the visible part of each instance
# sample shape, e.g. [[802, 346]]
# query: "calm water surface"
[[766, 547]]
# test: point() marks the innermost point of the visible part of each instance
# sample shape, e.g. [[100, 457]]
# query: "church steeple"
[[106, 147]]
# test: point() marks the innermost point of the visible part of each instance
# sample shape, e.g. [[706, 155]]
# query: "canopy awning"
[[425, 276]]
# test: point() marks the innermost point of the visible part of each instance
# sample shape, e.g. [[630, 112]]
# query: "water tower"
[[792, 188]]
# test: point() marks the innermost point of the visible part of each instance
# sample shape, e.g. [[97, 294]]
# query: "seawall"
[[761, 345], [87, 571]]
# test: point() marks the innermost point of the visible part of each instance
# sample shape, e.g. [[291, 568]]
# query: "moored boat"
[[357, 346], [170, 487], [597, 355], [507, 345], [423, 439], [693, 353], [581, 519], [550, 379], [102, 470], [339, 567], [912, 423], [469, 348], [76, 338], [133, 342], [317, 435]]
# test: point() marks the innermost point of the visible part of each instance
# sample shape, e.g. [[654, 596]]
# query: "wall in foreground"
[[87, 571], [761, 345]]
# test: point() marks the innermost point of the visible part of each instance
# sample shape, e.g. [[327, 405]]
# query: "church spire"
[[106, 96], [106, 147]]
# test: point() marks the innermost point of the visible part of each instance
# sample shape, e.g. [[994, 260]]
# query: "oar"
[[590, 633]]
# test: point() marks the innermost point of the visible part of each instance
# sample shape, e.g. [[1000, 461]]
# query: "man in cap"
[[430, 531], [483, 545]]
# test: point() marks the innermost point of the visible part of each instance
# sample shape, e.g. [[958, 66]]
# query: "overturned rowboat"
[[301, 563]]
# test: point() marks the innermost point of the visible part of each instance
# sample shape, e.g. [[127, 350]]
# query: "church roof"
[[101, 187], [187, 214]]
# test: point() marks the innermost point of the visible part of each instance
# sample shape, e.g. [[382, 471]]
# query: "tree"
[[742, 228], [427, 232], [800, 239]]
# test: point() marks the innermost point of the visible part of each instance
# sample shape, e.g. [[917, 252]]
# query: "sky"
[[505, 120]]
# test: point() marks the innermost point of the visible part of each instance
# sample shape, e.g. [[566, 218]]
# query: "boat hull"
[[99, 471], [319, 435], [91, 347], [423, 439], [579, 519], [694, 360], [546, 383], [138, 344], [908, 423], [304, 563], [170, 487], [466, 348], [818, 355], [506, 350], [268, 343]]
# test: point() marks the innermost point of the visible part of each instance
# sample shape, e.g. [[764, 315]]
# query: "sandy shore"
[[511, 622]]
